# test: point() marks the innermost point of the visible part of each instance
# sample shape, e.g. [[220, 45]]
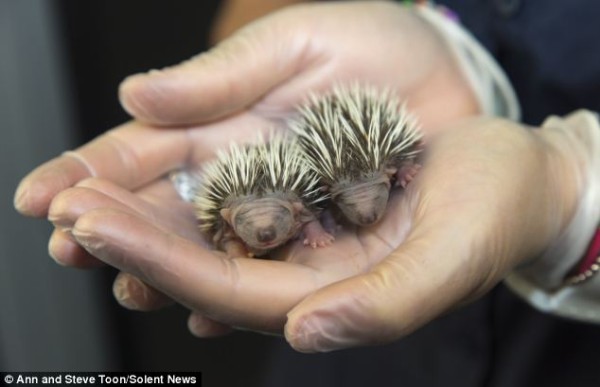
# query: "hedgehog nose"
[[266, 234], [368, 219]]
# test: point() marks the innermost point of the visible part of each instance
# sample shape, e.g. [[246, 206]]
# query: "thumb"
[[416, 283], [222, 81]]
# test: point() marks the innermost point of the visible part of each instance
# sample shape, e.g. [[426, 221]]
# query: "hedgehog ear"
[[298, 207], [391, 172], [226, 215]]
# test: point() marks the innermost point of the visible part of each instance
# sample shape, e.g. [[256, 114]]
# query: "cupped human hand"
[[248, 82], [450, 236], [491, 194]]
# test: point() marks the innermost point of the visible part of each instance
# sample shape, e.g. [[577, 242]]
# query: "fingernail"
[[58, 220], [20, 199], [155, 72], [313, 334], [196, 325], [62, 247], [126, 94], [123, 288], [84, 238], [140, 94], [53, 248]]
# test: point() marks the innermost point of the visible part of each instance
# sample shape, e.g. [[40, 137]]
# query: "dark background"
[[105, 41], [61, 62]]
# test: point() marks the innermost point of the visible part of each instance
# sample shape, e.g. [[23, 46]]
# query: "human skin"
[[110, 202], [446, 240]]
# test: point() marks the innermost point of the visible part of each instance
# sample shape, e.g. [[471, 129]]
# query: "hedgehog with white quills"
[[361, 142], [256, 197]]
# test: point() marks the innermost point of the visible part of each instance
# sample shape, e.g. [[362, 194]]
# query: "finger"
[[130, 155], [129, 291], [238, 291], [226, 79], [132, 293], [64, 211], [417, 282], [203, 327], [67, 206], [66, 252], [91, 193], [158, 203]]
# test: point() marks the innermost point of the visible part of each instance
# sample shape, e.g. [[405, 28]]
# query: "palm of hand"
[[291, 272]]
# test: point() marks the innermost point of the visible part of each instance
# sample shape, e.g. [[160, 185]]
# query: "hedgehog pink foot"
[[315, 235], [406, 174]]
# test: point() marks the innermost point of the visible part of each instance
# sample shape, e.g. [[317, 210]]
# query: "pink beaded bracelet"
[[589, 264]]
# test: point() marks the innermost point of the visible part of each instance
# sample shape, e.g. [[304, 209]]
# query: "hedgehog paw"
[[322, 240], [316, 236], [406, 174]]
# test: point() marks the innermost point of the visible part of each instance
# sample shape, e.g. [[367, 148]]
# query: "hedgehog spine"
[[272, 171], [355, 122], [359, 140]]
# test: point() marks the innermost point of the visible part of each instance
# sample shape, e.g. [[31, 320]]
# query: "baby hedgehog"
[[257, 197], [361, 142]]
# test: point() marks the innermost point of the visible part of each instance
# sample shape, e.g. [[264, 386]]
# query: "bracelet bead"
[[589, 265]]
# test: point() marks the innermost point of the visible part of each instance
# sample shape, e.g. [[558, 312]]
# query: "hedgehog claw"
[[322, 240], [325, 240], [315, 235]]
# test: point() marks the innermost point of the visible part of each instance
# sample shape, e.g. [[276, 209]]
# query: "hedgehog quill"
[[360, 142], [257, 197]]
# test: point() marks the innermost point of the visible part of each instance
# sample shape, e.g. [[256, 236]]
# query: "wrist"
[[562, 280]]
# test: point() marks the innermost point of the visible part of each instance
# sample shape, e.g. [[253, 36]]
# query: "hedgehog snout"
[[266, 235], [364, 214], [368, 219], [365, 204], [264, 223]]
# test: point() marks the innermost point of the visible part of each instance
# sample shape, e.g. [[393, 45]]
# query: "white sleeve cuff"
[[542, 281], [579, 302]]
